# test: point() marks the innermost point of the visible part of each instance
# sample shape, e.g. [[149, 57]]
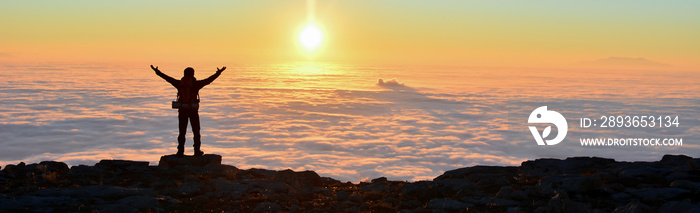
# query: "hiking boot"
[[198, 153]]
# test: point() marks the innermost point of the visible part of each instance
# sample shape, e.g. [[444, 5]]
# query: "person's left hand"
[[220, 70]]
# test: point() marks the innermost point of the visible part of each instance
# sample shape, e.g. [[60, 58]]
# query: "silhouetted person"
[[188, 96]]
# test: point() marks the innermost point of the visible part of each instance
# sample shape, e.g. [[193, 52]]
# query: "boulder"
[[566, 205], [460, 187], [582, 184], [686, 184], [380, 180], [191, 187], [662, 194], [101, 191], [9, 205], [478, 173], [425, 190], [642, 173], [490, 202], [299, 180], [53, 167], [141, 202], [504, 192], [112, 165], [170, 161], [376, 187], [574, 165], [223, 185], [677, 206], [448, 204], [634, 206], [679, 160], [265, 207]]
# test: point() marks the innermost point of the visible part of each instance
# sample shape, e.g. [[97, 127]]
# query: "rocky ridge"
[[203, 184]]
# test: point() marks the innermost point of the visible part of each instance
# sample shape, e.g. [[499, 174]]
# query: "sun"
[[311, 37]]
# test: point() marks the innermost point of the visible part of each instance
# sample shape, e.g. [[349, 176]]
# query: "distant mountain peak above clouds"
[[625, 62]]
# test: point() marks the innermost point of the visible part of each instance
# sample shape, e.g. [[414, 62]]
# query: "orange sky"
[[464, 33]]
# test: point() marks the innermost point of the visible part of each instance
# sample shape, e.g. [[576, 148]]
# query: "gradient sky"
[[66, 97], [470, 33]]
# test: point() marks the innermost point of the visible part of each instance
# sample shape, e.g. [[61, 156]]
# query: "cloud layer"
[[334, 120]]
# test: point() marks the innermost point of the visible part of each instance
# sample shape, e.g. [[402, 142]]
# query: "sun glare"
[[311, 37]]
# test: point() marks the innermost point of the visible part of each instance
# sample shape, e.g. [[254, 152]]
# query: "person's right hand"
[[155, 68]]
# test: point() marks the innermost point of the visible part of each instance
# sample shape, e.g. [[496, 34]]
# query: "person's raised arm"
[[212, 77], [167, 78]]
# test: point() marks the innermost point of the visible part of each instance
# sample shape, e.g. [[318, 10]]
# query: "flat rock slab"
[[169, 161]]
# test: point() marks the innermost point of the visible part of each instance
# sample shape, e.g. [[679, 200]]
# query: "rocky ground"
[[191, 184]]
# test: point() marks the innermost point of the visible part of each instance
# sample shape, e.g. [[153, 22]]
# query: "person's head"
[[189, 72]]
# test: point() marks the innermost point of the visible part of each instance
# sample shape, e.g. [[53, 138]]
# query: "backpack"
[[185, 97]]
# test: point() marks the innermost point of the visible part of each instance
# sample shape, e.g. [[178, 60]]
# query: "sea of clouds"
[[347, 122]]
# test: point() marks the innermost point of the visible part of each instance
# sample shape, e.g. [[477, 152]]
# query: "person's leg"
[[194, 119], [182, 118]]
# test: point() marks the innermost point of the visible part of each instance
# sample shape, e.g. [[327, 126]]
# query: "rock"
[[59, 168], [493, 184], [448, 204], [376, 187], [9, 168], [140, 202], [679, 161], [460, 187], [685, 184], [342, 195], [515, 210], [557, 204], [221, 171], [582, 184], [425, 190], [548, 186], [50, 171], [677, 206], [677, 176], [191, 187], [503, 202], [226, 189], [661, 194], [645, 173], [266, 207], [490, 202], [192, 184], [381, 180], [100, 191], [171, 161], [115, 208], [507, 193], [299, 180], [633, 207], [267, 186], [575, 165], [83, 170], [224, 185], [123, 165], [478, 173], [35, 202], [504, 192], [9, 205], [519, 195], [621, 197], [262, 173]]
